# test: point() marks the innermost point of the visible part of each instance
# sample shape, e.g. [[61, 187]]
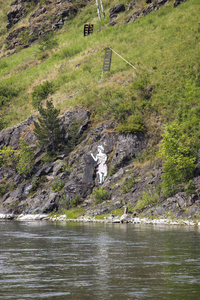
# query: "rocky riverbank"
[[124, 219]]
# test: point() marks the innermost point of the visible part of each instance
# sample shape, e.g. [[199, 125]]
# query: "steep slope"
[[126, 106]]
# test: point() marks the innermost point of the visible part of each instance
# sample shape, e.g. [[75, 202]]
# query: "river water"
[[42, 260]]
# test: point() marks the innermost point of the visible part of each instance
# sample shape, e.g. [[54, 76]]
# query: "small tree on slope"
[[48, 129]]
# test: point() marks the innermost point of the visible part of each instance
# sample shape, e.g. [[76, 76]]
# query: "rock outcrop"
[[44, 18], [52, 14], [75, 171], [114, 11], [71, 178], [139, 10], [18, 10], [132, 5], [155, 5], [178, 2]]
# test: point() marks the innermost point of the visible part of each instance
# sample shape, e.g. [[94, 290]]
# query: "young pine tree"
[[48, 129]]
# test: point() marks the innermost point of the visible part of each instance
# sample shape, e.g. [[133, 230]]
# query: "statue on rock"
[[101, 159]]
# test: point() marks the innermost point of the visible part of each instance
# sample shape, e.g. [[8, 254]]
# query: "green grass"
[[147, 198], [74, 213], [115, 213]]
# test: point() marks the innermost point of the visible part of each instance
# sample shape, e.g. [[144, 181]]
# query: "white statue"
[[101, 165]]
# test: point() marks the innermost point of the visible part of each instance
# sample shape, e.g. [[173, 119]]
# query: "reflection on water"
[[41, 260]]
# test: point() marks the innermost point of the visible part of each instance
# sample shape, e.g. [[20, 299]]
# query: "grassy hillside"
[[165, 87]]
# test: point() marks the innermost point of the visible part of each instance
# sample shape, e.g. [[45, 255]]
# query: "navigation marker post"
[[88, 29], [98, 11], [108, 58]]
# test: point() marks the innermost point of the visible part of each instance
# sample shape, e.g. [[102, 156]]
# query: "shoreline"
[[124, 219]]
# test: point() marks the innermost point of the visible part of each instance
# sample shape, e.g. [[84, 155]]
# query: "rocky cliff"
[[70, 179], [43, 17]]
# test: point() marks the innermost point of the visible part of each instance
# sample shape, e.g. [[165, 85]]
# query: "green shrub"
[[65, 168], [34, 184], [47, 41], [73, 136], [74, 213], [7, 92], [190, 188], [3, 64], [2, 189], [42, 56], [8, 156], [25, 161], [57, 185], [70, 51], [132, 125], [128, 184], [47, 158], [2, 123], [179, 156], [24, 36], [147, 197], [100, 195], [75, 201], [41, 92], [43, 2], [111, 171]]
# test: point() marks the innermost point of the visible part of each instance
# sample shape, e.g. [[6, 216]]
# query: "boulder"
[[125, 218], [113, 20], [116, 9]]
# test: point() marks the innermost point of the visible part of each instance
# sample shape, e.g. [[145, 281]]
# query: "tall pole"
[[102, 8], [98, 10]]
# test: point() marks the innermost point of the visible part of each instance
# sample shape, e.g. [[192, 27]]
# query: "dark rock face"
[[146, 10], [126, 148], [114, 11], [132, 4], [79, 178], [17, 11], [10, 136], [15, 14], [76, 171], [178, 2], [45, 18]]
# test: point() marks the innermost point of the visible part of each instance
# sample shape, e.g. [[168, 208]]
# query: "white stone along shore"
[[124, 219]]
